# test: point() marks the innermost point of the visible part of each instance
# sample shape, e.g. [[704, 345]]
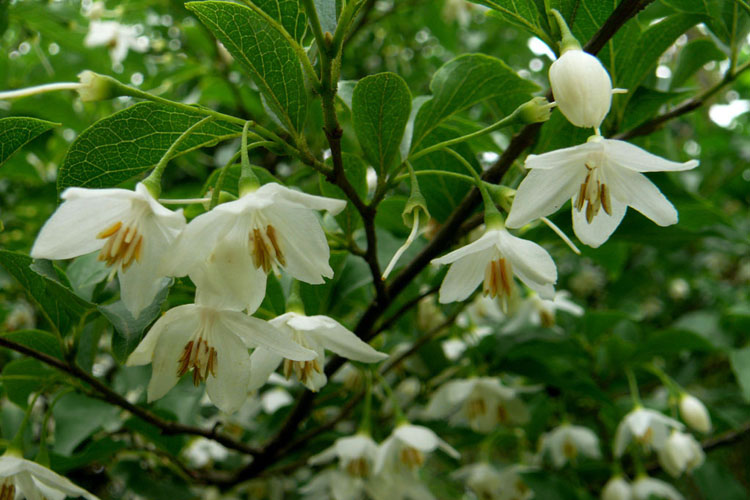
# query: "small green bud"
[[501, 195], [96, 87], [536, 110]]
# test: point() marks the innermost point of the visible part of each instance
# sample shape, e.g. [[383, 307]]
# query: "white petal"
[[316, 381], [302, 242], [262, 364], [464, 276], [169, 348], [198, 239], [357, 446], [71, 231], [325, 456], [570, 158], [386, 449], [419, 437], [140, 283], [345, 343], [228, 389], [543, 192], [440, 405], [531, 263], [626, 155], [56, 481], [450, 450], [637, 191], [488, 240], [178, 318], [332, 205], [644, 487], [623, 436], [602, 225], [258, 333]]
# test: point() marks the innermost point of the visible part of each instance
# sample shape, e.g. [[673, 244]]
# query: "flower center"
[[265, 249], [123, 246], [594, 194], [647, 437], [498, 282], [303, 370], [476, 408], [198, 356], [570, 450], [7, 489], [358, 467], [502, 414], [411, 457]]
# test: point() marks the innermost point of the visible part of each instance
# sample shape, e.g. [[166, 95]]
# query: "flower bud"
[[617, 488], [694, 413], [582, 88], [536, 110], [681, 453], [96, 87]]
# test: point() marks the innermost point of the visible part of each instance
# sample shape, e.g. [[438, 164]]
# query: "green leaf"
[[522, 13], [16, 132], [127, 329], [38, 340], [463, 82], [356, 172], [132, 141], [86, 272], [77, 417], [692, 56], [740, 361], [380, 109], [645, 104], [264, 52], [59, 304], [725, 18], [23, 376], [289, 13]]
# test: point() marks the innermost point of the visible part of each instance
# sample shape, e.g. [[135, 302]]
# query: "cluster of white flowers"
[[227, 252]]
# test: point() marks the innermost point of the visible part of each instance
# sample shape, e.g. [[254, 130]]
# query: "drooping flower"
[[316, 333], [646, 488], [482, 402], [602, 178], [119, 38], [694, 413], [356, 455], [21, 478], [495, 258], [681, 453], [130, 228], [566, 442], [404, 450], [268, 229], [647, 427], [213, 344], [489, 483], [617, 488], [582, 88]]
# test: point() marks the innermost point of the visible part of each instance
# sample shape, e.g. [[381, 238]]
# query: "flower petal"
[[332, 205], [72, 230], [464, 276], [626, 155], [198, 239], [543, 192], [531, 263], [602, 225], [55, 481], [417, 436], [258, 333], [570, 158], [262, 364], [345, 343], [637, 191], [228, 389], [140, 283], [487, 240], [181, 317], [325, 456]]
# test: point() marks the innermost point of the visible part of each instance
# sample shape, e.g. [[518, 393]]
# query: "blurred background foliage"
[[677, 297]]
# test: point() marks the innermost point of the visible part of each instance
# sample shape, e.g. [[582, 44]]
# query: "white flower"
[[131, 229], [603, 178], [582, 88], [482, 402], [694, 413], [489, 483], [645, 488], [566, 442], [404, 450], [538, 311], [617, 488], [214, 344], [681, 453], [316, 333], [356, 455], [647, 427], [273, 227], [201, 451], [119, 38], [495, 258], [335, 484], [21, 478]]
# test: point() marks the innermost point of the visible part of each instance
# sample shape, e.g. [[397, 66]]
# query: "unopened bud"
[[582, 88], [694, 413], [96, 87], [617, 488], [681, 453], [536, 110]]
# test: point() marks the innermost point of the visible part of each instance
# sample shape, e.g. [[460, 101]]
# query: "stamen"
[[271, 232], [303, 370], [358, 467], [124, 244], [7, 490], [411, 457], [570, 450], [266, 250], [110, 230], [476, 408], [199, 357], [498, 282], [502, 414], [593, 194], [606, 202]]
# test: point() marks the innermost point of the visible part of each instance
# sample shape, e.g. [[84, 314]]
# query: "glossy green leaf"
[[23, 376], [77, 417], [44, 342], [522, 13], [692, 56], [289, 13], [380, 107], [132, 141], [463, 82], [264, 53], [59, 304], [16, 132]]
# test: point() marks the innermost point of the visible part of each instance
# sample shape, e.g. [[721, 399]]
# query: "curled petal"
[[637, 191], [625, 155]]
